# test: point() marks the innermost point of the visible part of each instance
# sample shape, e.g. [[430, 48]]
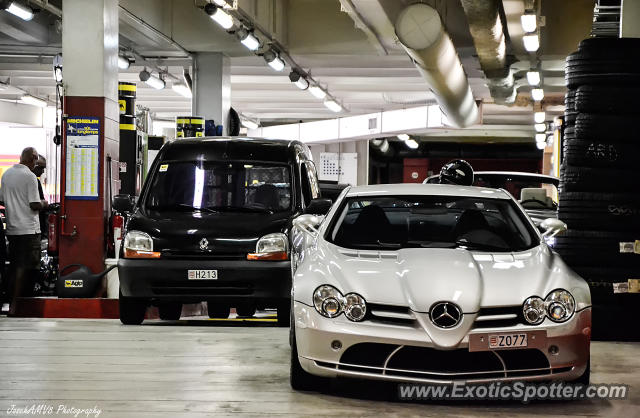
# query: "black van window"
[[220, 186]]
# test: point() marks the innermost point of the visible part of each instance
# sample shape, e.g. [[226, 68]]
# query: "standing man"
[[19, 192], [38, 170]]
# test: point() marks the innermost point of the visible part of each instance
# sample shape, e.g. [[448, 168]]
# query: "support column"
[[630, 16], [90, 76], [212, 87]]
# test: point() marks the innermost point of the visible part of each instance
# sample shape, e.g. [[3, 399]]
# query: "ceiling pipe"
[[488, 36], [422, 34]]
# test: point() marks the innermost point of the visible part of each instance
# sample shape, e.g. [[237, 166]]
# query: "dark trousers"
[[24, 261]]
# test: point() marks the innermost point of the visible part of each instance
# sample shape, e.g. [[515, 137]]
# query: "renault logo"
[[204, 244], [445, 315]]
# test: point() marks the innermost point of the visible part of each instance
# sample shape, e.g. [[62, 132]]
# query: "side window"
[[306, 185]]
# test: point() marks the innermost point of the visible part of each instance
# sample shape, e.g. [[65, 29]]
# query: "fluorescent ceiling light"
[[541, 137], [332, 105], [123, 63], [531, 42], [274, 60], [537, 94], [540, 127], [182, 89], [57, 74], [248, 39], [403, 137], [533, 78], [541, 145], [539, 117], [33, 101], [219, 16], [411, 144], [221, 3], [529, 21], [151, 80], [317, 92], [23, 12], [249, 124]]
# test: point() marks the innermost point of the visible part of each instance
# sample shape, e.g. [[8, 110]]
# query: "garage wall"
[[359, 147]]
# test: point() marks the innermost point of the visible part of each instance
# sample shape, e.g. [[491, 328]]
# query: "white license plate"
[[507, 340], [202, 274]]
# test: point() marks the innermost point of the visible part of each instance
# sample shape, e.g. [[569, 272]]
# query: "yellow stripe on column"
[[127, 127]]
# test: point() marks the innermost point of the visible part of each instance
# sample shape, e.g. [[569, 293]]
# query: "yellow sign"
[[123, 105]]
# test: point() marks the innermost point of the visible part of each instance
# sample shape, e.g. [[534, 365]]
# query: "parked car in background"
[[212, 224], [433, 284], [537, 193]]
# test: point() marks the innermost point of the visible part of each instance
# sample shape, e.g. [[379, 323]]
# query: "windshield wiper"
[[183, 206], [250, 209]]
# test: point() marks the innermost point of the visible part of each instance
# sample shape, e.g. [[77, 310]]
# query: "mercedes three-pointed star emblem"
[[445, 314]]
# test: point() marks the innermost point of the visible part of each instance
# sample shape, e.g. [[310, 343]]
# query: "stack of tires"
[[600, 176]]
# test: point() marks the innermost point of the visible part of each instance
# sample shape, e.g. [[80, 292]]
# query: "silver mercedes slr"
[[434, 284]]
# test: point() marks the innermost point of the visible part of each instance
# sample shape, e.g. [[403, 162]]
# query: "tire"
[[246, 310], [298, 377], [611, 46], [586, 251], [600, 211], [606, 128], [284, 314], [218, 311], [170, 311], [596, 153], [589, 179], [598, 77], [610, 100], [132, 310]]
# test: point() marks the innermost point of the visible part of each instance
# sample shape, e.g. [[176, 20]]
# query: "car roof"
[[230, 148], [427, 190]]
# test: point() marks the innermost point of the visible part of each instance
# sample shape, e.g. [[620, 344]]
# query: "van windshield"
[[216, 186]]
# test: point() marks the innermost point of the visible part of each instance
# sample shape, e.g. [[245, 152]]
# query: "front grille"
[[390, 314], [201, 288], [430, 363], [201, 255], [506, 316]]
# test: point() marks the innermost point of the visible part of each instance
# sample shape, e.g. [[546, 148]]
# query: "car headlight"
[[271, 247], [533, 310], [139, 244], [560, 305], [328, 301], [355, 307]]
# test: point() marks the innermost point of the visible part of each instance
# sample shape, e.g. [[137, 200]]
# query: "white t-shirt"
[[19, 188]]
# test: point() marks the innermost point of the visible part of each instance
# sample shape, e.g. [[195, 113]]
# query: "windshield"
[[389, 223], [215, 186]]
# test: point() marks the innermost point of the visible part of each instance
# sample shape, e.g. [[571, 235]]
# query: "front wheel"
[[245, 310], [132, 310], [218, 311], [284, 314], [170, 311], [298, 377]]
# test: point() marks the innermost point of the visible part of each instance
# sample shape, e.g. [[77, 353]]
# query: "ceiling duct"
[[422, 34], [488, 35]]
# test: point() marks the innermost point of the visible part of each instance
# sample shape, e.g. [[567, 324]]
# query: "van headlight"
[[328, 301], [271, 247], [560, 305], [138, 244]]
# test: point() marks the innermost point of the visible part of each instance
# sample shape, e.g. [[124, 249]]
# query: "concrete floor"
[[203, 368]]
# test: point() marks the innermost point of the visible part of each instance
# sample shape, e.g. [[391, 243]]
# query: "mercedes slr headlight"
[[355, 307], [560, 305], [328, 301], [533, 310]]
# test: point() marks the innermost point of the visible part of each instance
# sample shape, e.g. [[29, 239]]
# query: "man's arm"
[[35, 203]]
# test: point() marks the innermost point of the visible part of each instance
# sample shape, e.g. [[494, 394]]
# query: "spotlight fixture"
[[411, 143], [274, 61], [541, 138], [151, 80], [540, 127], [299, 80], [529, 21], [16, 9], [219, 16], [403, 137], [57, 68], [533, 78], [249, 124], [539, 117], [332, 105], [317, 92], [34, 101], [182, 89], [123, 62], [248, 39], [537, 94], [531, 42]]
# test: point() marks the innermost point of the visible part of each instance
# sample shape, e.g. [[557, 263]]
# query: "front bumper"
[[383, 351], [238, 280]]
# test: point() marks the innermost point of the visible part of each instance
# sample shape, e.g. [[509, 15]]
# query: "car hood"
[[178, 233], [418, 278]]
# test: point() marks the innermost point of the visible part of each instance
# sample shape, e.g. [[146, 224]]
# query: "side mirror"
[[123, 203], [552, 227], [318, 207], [308, 223]]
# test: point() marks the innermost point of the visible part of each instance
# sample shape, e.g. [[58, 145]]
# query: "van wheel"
[[245, 311], [284, 314], [217, 311], [170, 311], [132, 310]]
